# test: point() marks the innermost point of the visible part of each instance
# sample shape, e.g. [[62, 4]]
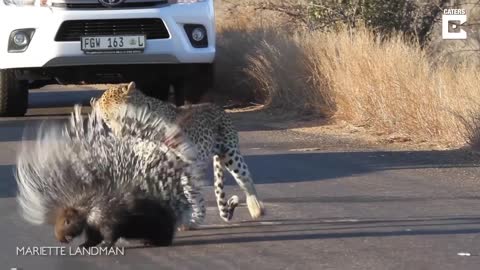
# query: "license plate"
[[113, 43]]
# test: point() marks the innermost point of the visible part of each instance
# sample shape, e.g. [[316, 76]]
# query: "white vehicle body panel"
[[44, 51]]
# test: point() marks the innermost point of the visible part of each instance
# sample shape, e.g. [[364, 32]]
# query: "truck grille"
[[74, 30]]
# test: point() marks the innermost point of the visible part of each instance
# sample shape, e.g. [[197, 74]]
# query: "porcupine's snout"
[[61, 237], [69, 224], [66, 239]]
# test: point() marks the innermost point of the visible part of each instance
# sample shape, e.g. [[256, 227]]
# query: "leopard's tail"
[[255, 206]]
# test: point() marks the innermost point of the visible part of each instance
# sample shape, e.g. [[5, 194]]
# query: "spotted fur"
[[208, 127]]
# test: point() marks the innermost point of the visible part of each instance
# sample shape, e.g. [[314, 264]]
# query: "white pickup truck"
[[157, 43]]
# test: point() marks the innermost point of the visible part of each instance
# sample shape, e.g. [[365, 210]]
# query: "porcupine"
[[82, 178]]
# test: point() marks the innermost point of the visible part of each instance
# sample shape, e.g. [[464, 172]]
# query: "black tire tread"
[[13, 95]]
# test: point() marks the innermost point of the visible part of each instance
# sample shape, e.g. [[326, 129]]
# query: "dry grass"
[[389, 86], [392, 87], [241, 29]]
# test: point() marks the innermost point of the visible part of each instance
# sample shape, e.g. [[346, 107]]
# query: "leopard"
[[210, 129]]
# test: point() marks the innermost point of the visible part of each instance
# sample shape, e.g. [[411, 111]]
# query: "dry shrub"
[[471, 122], [391, 86], [282, 70], [386, 84], [240, 30]]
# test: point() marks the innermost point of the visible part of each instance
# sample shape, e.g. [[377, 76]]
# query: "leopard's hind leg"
[[235, 164], [225, 208]]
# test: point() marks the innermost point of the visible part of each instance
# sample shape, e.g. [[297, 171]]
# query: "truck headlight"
[[19, 40], [19, 2], [184, 1], [197, 34]]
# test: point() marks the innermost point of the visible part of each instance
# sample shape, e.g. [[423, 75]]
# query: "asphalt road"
[[341, 206]]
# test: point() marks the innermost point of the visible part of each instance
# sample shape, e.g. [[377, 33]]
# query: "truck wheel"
[[195, 91], [192, 89], [13, 95], [159, 90], [179, 93]]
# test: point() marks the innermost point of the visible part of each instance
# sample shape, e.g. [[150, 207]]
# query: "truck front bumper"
[[44, 51]]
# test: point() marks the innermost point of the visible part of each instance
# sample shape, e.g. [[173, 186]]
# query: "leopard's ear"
[[131, 87]]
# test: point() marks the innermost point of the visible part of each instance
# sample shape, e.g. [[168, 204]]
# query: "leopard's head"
[[114, 96]]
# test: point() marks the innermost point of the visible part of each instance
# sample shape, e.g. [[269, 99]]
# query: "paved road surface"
[[338, 207]]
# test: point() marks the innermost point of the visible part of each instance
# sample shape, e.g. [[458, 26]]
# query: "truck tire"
[[13, 95], [155, 89], [179, 93], [192, 89]]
